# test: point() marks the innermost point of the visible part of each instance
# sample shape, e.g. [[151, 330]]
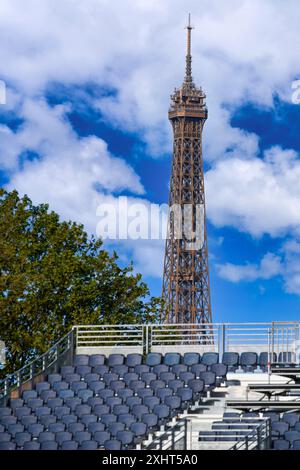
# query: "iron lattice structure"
[[186, 288]]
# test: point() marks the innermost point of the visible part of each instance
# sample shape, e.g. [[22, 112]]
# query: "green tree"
[[53, 276]]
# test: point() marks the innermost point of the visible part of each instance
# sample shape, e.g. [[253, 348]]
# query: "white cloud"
[[269, 267]]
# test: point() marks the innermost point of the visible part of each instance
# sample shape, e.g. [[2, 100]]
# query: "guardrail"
[[40, 365], [174, 438], [259, 438]]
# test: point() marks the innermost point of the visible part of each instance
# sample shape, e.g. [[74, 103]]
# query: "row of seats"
[[116, 407]]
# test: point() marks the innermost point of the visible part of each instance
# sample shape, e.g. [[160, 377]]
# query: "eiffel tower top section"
[[188, 100]]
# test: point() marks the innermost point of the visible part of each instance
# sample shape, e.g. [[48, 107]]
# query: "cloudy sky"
[[85, 121]]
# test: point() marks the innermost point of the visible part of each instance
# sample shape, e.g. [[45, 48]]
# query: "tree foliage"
[[53, 276]]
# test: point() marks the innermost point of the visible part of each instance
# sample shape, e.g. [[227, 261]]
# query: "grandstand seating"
[[111, 403]]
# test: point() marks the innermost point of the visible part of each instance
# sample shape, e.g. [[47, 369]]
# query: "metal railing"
[[174, 438], [258, 438], [40, 365]]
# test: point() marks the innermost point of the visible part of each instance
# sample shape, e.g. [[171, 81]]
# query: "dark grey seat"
[[127, 419], [83, 370], [174, 403], [159, 368], [35, 429], [292, 436], [46, 420], [23, 411], [291, 418], [81, 436], [93, 401], [96, 360], [286, 358], [76, 386], [140, 368], [68, 419], [117, 385], [31, 445], [139, 410], [81, 360], [29, 419], [131, 401], [197, 369], [129, 377], [296, 445], [14, 428], [153, 359], [75, 427], [125, 393], [5, 437], [120, 409], [15, 403], [70, 378], [170, 359], [151, 420], [49, 445], [125, 437], [264, 359], [209, 379], [41, 386], [109, 377], [101, 410], [186, 376], [61, 411], [64, 370], [108, 418], [66, 393], [8, 420], [155, 384], [95, 427], [115, 360], [136, 384], [88, 445], [35, 403], [186, 395], [54, 403], [151, 402], [81, 410], [101, 436], [279, 428], [167, 376], [46, 436], [163, 413], [63, 436], [210, 358], [59, 386], [248, 361], [113, 401], [147, 377], [162, 393], [52, 378], [281, 444], [69, 445], [91, 377], [100, 370], [231, 360], [114, 428], [120, 370], [113, 444], [96, 386], [178, 368], [47, 394], [133, 360], [220, 370], [191, 358], [145, 392], [56, 427], [72, 403], [7, 446], [139, 431], [175, 384], [21, 438], [88, 419], [197, 386], [26, 395]]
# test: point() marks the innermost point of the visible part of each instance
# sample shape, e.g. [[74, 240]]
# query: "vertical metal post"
[[223, 334]]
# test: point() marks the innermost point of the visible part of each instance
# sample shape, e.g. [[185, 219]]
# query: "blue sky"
[[85, 121]]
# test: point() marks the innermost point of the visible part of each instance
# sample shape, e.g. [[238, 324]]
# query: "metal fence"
[[258, 438], [174, 438]]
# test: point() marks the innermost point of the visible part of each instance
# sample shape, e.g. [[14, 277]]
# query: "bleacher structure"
[[217, 386]]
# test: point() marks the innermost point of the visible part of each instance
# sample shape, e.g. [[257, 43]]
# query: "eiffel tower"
[[186, 289]]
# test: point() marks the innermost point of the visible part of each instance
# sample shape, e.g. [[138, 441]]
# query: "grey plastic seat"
[[70, 378], [52, 378], [31, 445], [163, 413], [147, 377], [159, 368], [139, 410], [197, 386], [186, 395], [109, 377], [49, 445], [88, 445], [113, 401], [114, 428], [155, 384], [93, 401], [136, 384], [81, 360], [35, 429], [21, 438], [69, 445], [281, 444], [26, 395], [220, 370], [96, 386], [41, 386], [83, 370], [120, 409], [178, 369], [63, 436], [167, 376], [81, 436], [108, 419], [264, 359], [72, 403], [296, 445], [46, 436], [191, 358], [23, 411], [35, 403], [76, 386], [279, 428], [57, 427], [145, 392], [7, 446], [91, 377], [5, 411], [8, 420], [5, 437], [115, 360], [231, 360], [140, 368], [27, 420], [47, 394], [120, 370], [197, 369], [68, 419], [64, 370], [170, 359], [125, 437], [66, 393], [131, 401], [62, 411], [291, 418], [124, 393], [101, 370], [292, 436], [81, 410], [151, 420], [151, 402], [139, 431], [95, 427], [210, 358], [16, 403], [59, 386], [88, 419], [117, 385], [54, 403], [209, 379], [2, 428], [113, 444], [133, 360], [129, 377], [101, 436], [153, 359], [175, 384], [46, 420], [174, 403], [100, 410], [75, 427], [96, 360], [248, 361], [186, 376], [162, 393]]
